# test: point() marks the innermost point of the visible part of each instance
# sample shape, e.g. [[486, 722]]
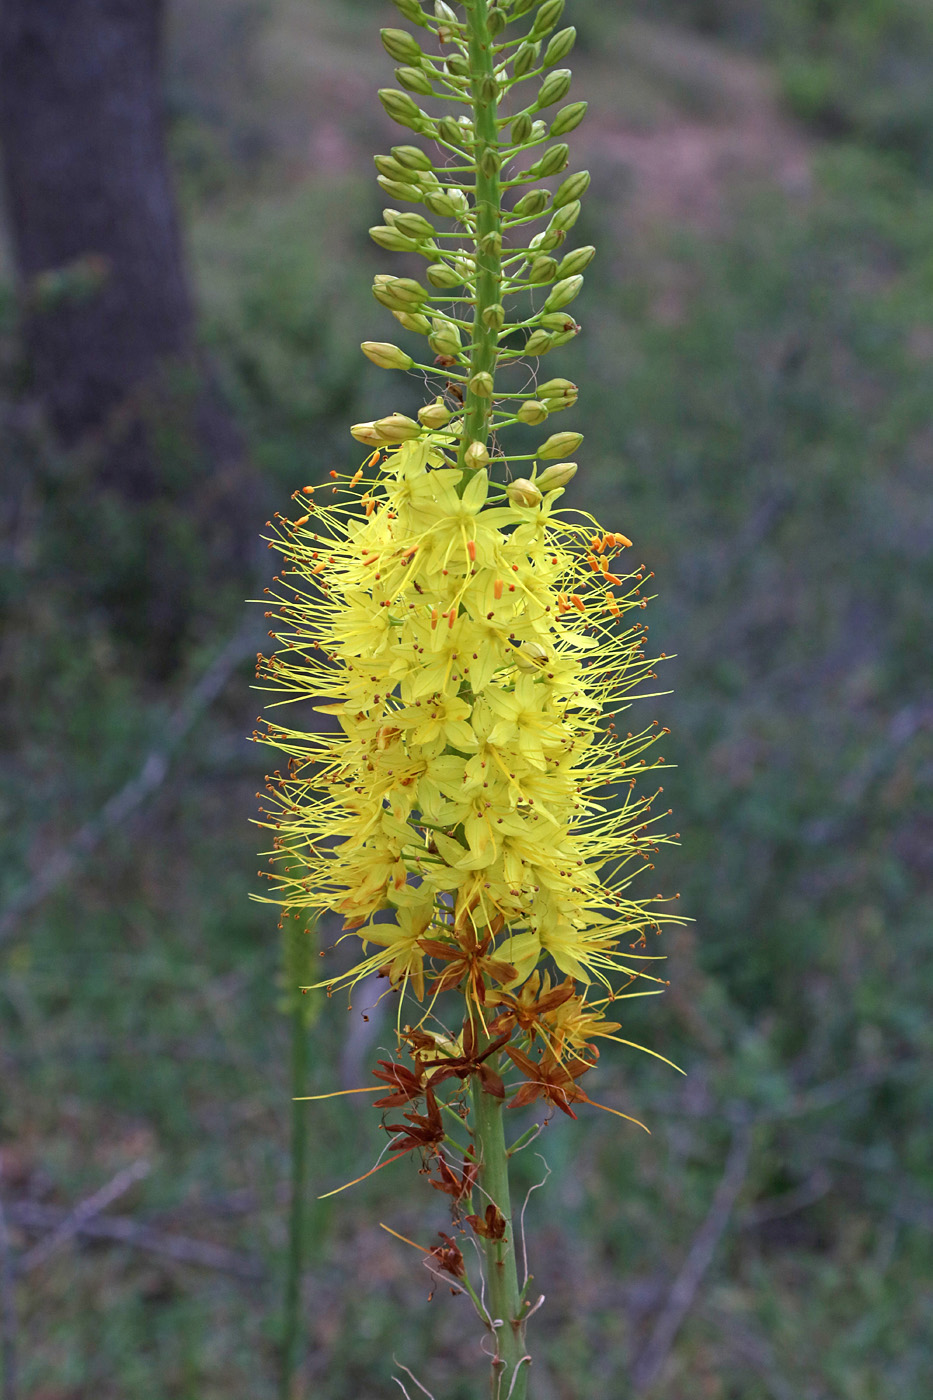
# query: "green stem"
[[291, 1320], [503, 1298], [488, 218]]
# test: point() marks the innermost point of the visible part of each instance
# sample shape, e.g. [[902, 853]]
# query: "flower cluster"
[[471, 648]]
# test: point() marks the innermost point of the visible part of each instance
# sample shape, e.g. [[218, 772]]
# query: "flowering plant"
[[471, 810]]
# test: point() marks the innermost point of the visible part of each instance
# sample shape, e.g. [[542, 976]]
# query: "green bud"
[[412, 157], [489, 162], [555, 86], [401, 108], [412, 321], [398, 190], [415, 80], [526, 59], [491, 243], [402, 291], [400, 45], [553, 478], [538, 343], [543, 269], [572, 188], [494, 316], [414, 226], [551, 162], [546, 18], [561, 337], [397, 428], [521, 129], [522, 492], [489, 89], [386, 355], [368, 434], [495, 21], [534, 202], [557, 445], [577, 260], [558, 321], [390, 168], [391, 239], [476, 456], [457, 66], [568, 118], [548, 238], [440, 204], [558, 394], [412, 11], [564, 293], [445, 337], [566, 216], [481, 385], [440, 275], [451, 131], [532, 412], [434, 415], [521, 7], [560, 46], [444, 13]]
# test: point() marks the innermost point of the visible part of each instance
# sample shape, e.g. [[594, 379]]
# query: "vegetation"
[[759, 387]]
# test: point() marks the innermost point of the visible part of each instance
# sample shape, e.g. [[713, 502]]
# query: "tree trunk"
[[107, 316]]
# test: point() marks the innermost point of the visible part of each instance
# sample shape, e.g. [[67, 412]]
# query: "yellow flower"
[[469, 656]]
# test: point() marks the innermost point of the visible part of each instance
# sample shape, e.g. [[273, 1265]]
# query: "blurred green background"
[[757, 395]]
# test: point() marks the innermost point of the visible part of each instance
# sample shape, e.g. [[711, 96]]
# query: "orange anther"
[[303, 521], [497, 588], [471, 549], [308, 490], [371, 461], [592, 562], [370, 507], [450, 617], [577, 602], [357, 475], [623, 540], [333, 476], [433, 618]]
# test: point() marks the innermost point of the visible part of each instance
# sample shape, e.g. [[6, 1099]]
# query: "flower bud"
[[444, 13], [476, 456], [495, 21], [416, 80], [368, 434], [552, 478], [400, 45], [538, 343], [559, 321], [494, 316], [543, 269], [563, 293], [412, 11], [397, 428], [397, 189], [391, 239], [532, 412], [560, 46], [551, 163], [521, 129], [412, 321], [440, 275], [555, 86], [558, 394], [526, 58], [386, 355], [489, 162], [450, 131], [390, 168], [565, 217], [481, 385], [547, 238], [572, 188], [521, 7], [568, 118], [401, 108], [457, 66], [414, 226], [406, 289], [546, 18], [577, 260], [531, 203], [489, 89], [439, 204], [522, 492], [491, 243], [530, 656], [561, 337], [445, 337], [412, 157], [434, 415], [558, 444]]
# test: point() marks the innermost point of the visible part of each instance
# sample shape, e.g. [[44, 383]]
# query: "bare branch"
[[83, 1213], [63, 863], [648, 1366]]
